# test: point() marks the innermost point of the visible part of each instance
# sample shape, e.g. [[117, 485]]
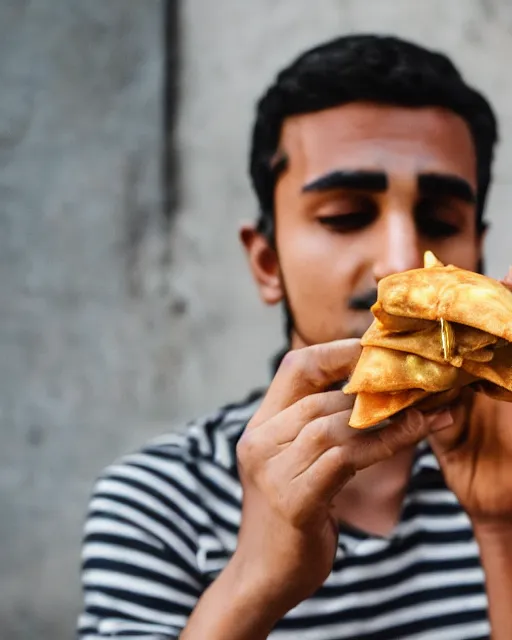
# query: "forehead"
[[388, 138]]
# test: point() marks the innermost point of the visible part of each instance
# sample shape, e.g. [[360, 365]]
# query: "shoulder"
[[165, 475], [211, 438], [149, 527]]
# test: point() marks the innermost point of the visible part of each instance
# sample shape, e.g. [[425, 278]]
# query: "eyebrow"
[[442, 184], [429, 184], [376, 181]]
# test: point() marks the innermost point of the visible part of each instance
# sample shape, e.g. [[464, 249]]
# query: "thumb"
[[407, 430], [447, 434]]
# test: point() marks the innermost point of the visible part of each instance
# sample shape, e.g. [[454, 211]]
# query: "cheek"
[[316, 262]]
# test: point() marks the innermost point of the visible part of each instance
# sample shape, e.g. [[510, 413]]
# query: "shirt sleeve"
[[140, 577]]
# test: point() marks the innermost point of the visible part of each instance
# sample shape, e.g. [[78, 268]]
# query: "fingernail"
[[441, 420]]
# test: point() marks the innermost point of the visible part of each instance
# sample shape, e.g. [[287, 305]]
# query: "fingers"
[[446, 437], [314, 440], [301, 474], [323, 480], [327, 453], [441, 420], [285, 427], [307, 371], [376, 446], [257, 445]]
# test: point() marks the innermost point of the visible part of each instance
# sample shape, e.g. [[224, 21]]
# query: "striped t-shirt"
[[163, 523]]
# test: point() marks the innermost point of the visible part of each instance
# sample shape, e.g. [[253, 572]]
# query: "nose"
[[397, 245]]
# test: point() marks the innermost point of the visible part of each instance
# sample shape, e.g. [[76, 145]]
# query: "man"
[[272, 517]]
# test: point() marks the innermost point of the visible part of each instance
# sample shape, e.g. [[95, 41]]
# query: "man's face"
[[366, 190]]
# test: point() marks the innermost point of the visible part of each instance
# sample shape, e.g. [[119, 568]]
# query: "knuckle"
[[293, 360], [406, 430], [309, 407], [318, 364], [254, 421], [389, 443], [315, 363], [320, 431], [343, 459], [305, 362], [246, 450]]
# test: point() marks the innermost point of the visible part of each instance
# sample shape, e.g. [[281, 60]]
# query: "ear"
[[264, 264]]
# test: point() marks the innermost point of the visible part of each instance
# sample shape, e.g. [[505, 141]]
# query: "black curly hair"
[[371, 68]]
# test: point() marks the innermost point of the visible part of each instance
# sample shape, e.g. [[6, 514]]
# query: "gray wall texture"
[[114, 326]]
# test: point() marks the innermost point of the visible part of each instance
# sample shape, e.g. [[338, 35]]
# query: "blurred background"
[[125, 304]]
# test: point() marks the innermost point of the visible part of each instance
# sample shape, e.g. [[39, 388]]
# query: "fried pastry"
[[436, 330]]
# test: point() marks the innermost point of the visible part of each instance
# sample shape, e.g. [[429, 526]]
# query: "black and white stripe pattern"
[[163, 522]]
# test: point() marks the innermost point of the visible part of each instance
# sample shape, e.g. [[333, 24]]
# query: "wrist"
[[494, 541], [232, 608], [251, 591], [492, 530], [494, 538], [249, 598]]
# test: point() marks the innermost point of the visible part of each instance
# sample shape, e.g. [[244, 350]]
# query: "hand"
[[475, 453], [294, 456]]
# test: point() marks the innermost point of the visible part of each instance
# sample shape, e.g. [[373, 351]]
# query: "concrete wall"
[[112, 329]]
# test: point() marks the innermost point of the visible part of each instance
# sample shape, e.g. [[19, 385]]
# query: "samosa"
[[436, 330]]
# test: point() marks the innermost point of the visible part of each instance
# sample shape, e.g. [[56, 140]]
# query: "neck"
[[372, 500]]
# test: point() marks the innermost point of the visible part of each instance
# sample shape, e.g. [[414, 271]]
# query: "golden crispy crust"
[[436, 330], [448, 292], [372, 408], [470, 343], [386, 370], [498, 371]]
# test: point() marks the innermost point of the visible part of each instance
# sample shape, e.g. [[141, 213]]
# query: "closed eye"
[[435, 219], [437, 229], [348, 222]]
